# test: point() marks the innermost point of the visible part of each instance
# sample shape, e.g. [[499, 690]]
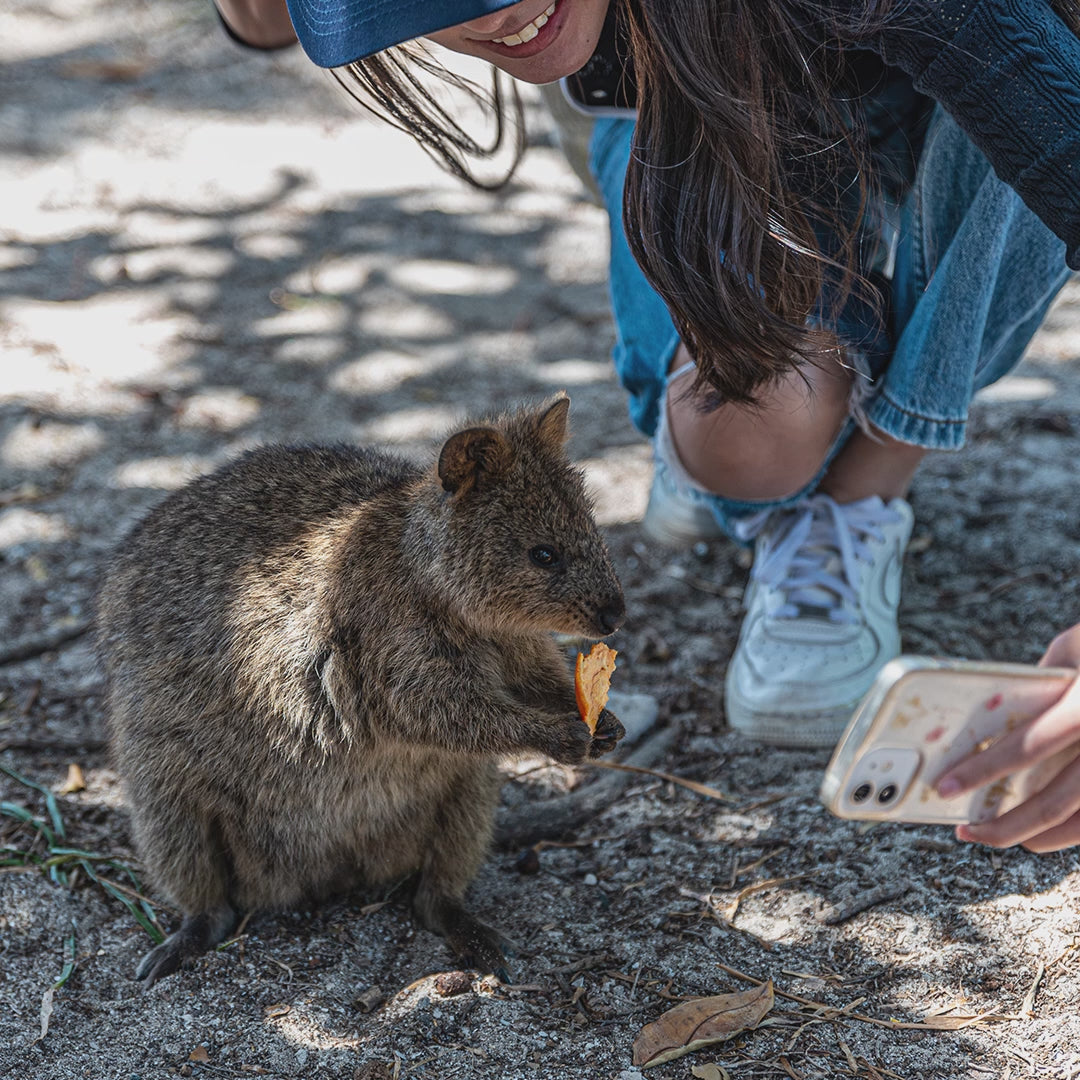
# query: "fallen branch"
[[35, 644], [534, 821], [59, 746], [831, 1012], [732, 908], [856, 905], [690, 785]]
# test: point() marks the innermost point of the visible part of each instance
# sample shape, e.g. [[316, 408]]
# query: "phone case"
[[921, 716], [605, 86], [594, 100]]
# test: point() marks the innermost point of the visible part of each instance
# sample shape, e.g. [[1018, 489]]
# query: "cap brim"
[[337, 32]]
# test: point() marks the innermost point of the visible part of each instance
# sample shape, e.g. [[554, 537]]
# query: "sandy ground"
[[205, 249]]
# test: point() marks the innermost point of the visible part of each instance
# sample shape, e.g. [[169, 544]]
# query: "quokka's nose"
[[610, 617]]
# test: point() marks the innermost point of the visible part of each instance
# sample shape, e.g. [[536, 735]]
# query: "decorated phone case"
[[921, 716]]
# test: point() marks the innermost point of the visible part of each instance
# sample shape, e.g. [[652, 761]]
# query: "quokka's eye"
[[545, 556]]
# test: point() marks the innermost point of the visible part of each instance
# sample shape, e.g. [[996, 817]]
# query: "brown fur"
[[316, 655]]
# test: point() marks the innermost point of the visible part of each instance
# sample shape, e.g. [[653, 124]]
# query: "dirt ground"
[[204, 249]]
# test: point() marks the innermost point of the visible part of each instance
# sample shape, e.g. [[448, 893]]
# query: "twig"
[[858, 904], [136, 895], [31, 699], [766, 800], [35, 644], [728, 592], [830, 1012], [586, 963], [523, 826], [880, 1070], [691, 785], [706, 901], [733, 906], [1028, 1007], [738, 871], [588, 841], [789, 1068], [65, 746], [852, 1065]]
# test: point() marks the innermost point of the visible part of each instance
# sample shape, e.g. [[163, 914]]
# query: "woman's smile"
[[536, 41]]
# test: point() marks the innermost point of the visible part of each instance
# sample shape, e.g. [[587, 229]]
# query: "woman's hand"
[[1050, 819], [262, 24]]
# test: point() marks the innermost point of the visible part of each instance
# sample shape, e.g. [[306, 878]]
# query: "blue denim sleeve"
[[1008, 72], [645, 336]]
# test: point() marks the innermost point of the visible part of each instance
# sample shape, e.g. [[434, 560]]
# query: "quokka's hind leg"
[[458, 846], [186, 856], [197, 933]]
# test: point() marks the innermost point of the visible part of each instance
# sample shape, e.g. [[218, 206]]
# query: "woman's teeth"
[[527, 33]]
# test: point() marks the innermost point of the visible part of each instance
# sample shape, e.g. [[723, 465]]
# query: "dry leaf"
[[956, 1021], [200, 1053], [110, 71], [701, 1022], [46, 1011], [592, 678], [272, 1012], [710, 1072], [74, 782]]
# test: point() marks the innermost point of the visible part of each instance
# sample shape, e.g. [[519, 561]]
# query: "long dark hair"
[[406, 86], [748, 179]]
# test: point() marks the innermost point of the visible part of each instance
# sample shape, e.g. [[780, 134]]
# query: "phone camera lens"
[[862, 793], [887, 794]]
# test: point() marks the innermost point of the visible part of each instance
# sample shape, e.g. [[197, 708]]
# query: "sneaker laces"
[[812, 555]]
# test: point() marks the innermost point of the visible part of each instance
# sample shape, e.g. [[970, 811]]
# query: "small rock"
[[369, 1000], [452, 983], [528, 862], [372, 1070], [589, 879], [638, 713]]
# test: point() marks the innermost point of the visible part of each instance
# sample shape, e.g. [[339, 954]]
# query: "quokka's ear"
[[473, 458], [553, 425]]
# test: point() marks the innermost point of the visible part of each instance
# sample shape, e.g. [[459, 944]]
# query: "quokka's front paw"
[[607, 735], [568, 740]]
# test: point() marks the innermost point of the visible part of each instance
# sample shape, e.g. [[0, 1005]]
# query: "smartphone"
[[605, 86], [921, 716]]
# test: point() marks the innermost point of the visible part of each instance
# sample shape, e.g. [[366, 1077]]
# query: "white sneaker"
[[821, 617], [673, 516], [677, 514]]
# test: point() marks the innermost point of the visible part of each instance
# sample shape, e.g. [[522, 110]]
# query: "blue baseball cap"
[[336, 32]]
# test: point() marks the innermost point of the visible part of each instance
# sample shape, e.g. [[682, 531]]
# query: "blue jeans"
[[975, 272]]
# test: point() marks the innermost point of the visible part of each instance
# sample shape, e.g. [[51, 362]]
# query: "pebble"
[[637, 712]]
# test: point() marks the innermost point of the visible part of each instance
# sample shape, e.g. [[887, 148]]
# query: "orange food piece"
[[592, 677]]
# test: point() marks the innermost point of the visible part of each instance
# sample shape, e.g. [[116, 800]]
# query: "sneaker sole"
[[675, 524], [816, 730]]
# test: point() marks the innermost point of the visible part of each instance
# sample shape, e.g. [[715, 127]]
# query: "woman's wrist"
[[257, 24]]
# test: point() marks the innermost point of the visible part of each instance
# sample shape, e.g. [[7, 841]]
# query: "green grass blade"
[[156, 936], [20, 813], [59, 858], [50, 798], [69, 959]]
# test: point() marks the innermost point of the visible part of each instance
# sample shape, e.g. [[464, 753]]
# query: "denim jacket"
[[1008, 71]]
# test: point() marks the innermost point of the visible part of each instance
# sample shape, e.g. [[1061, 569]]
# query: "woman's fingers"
[[1042, 737], [1047, 817], [1064, 650], [1065, 835], [1048, 820]]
